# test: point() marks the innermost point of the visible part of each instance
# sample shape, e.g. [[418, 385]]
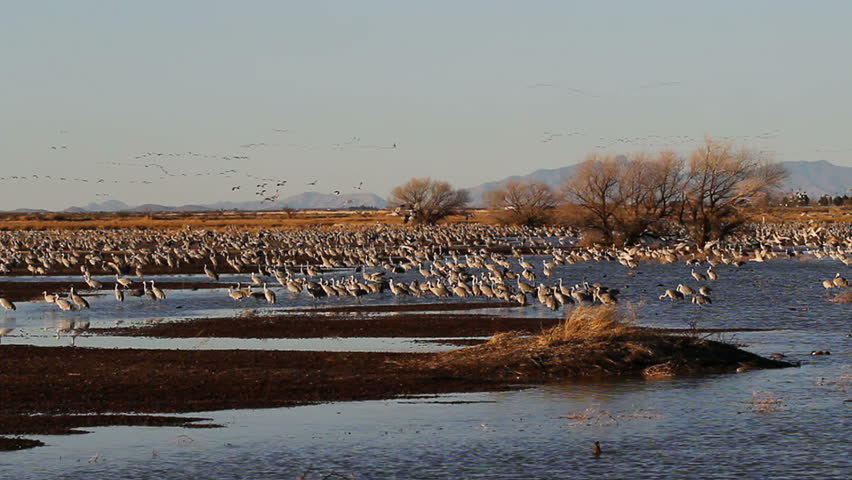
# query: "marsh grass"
[[592, 322]]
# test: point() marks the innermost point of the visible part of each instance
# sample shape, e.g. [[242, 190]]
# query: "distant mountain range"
[[813, 178], [817, 178], [305, 200]]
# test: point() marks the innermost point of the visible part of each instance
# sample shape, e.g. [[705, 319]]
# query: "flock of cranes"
[[460, 261]]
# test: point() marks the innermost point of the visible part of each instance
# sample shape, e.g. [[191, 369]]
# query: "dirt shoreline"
[[55, 382], [410, 325], [58, 381], [319, 326]]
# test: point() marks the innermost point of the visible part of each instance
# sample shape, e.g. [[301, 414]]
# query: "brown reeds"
[[591, 322]]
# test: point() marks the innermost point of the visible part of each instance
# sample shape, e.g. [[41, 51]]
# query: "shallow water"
[[696, 427]]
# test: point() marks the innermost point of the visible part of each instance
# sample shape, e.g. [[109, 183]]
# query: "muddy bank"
[[29, 291], [319, 326], [65, 380], [72, 424], [510, 357], [412, 307], [8, 444]]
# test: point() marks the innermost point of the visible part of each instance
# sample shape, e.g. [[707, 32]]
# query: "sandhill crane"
[[461, 290], [672, 294], [697, 276], [840, 281], [705, 290], [269, 294], [701, 299], [605, 297], [524, 287], [439, 290], [63, 304], [551, 302], [119, 295], [77, 299], [561, 297], [210, 273], [7, 304], [159, 294], [4, 331], [828, 284], [92, 283], [686, 290], [124, 282], [582, 295], [49, 297], [565, 290], [357, 291], [520, 298], [711, 274], [236, 293]]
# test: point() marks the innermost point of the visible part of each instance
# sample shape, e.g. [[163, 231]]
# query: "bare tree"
[[529, 204], [428, 201], [594, 187], [667, 181], [719, 183]]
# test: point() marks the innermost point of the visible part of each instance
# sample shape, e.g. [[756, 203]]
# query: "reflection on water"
[[696, 427], [702, 427]]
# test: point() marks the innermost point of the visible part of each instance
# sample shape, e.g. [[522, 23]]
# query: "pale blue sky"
[[465, 89]]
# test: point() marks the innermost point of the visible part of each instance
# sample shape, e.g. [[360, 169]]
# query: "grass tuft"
[[591, 322]]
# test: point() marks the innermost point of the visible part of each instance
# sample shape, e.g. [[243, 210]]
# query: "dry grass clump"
[[591, 322], [845, 297]]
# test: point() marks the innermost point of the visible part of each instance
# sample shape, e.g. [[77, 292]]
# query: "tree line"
[[621, 198]]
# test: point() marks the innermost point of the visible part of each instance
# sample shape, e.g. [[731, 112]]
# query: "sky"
[[372, 93]]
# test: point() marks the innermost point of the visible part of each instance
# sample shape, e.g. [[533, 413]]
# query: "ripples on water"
[[697, 427]]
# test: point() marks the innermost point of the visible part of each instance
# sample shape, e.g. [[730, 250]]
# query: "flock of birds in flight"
[[266, 189], [161, 164]]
